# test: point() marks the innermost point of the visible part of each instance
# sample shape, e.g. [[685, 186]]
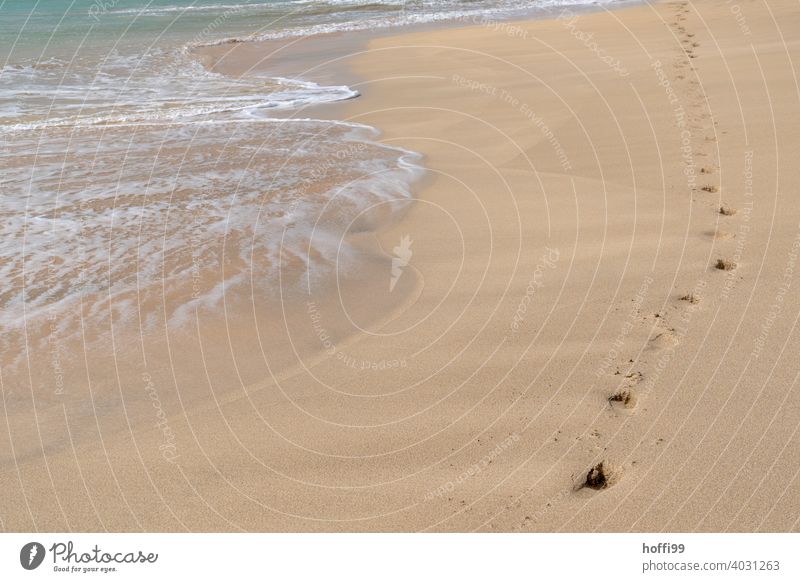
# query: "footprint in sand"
[[663, 340], [719, 234], [724, 265], [692, 298], [664, 336], [602, 476], [625, 395], [633, 378]]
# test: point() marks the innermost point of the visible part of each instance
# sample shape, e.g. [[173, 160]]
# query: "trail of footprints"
[[631, 384], [626, 396]]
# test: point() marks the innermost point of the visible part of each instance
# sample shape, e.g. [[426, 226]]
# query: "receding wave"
[[162, 86], [148, 174], [141, 214]]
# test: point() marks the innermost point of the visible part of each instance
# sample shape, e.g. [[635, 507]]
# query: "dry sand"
[[563, 251]]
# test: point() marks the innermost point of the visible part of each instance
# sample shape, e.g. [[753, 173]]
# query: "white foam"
[[164, 196], [427, 12], [161, 86]]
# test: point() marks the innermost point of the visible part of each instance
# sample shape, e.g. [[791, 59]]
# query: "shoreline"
[[566, 316], [307, 55]]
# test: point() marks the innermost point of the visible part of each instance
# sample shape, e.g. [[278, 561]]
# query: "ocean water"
[[46, 27], [130, 171]]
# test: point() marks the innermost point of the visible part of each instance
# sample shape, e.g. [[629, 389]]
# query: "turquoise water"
[[57, 27]]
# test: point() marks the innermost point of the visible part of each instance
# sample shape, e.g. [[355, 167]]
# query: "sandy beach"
[[585, 320]]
